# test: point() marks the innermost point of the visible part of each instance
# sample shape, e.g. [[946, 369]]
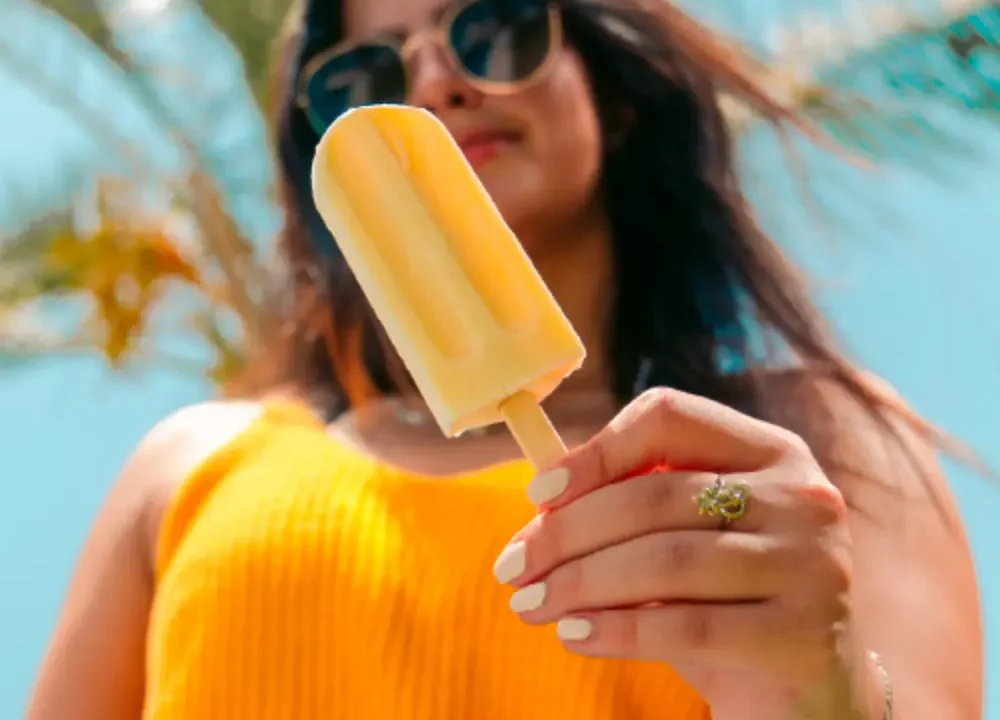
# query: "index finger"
[[663, 428]]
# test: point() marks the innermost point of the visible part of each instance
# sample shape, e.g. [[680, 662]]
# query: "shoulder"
[[823, 409], [93, 667], [193, 430], [169, 453], [873, 445]]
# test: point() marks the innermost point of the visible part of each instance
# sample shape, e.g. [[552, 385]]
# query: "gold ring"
[[723, 500]]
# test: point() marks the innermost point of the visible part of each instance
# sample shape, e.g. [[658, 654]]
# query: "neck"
[[577, 265]]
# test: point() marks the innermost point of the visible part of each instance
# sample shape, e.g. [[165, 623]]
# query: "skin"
[[772, 615]]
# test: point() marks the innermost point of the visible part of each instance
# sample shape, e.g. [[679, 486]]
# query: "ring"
[[723, 500]]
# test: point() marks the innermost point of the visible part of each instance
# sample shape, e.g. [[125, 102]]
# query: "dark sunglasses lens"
[[502, 40], [363, 75]]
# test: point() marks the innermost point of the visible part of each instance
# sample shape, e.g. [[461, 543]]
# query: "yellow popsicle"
[[468, 313]]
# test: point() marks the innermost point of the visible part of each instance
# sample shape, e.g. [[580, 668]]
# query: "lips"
[[483, 144]]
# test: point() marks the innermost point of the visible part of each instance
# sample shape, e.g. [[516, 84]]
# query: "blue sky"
[[911, 284]]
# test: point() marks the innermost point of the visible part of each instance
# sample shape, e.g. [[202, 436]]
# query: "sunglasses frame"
[[439, 34]]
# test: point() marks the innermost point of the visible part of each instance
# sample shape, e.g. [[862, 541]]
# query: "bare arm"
[[915, 595], [94, 666]]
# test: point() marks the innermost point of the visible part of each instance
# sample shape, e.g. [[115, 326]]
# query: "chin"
[[516, 197], [513, 209]]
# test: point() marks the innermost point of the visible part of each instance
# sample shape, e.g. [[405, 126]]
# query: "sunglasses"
[[499, 46]]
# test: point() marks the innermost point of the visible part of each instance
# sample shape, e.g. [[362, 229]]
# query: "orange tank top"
[[300, 580]]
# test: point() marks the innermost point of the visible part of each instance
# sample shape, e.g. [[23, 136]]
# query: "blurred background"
[[136, 211]]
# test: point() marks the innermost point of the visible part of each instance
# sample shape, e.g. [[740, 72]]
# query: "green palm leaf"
[[202, 181], [869, 78]]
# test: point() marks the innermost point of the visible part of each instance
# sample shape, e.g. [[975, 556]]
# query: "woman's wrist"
[[881, 689], [869, 693], [859, 690]]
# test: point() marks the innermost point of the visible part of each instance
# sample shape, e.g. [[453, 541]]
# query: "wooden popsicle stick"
[[532, 430]]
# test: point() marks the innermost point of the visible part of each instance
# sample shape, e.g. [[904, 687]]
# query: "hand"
[[622, 560]]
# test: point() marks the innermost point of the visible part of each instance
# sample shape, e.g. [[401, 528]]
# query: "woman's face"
[[538, 151]]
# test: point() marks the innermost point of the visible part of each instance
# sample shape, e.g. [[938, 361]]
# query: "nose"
[[435, 85]]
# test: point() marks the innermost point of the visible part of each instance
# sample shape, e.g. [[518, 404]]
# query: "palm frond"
[[210, 122], [192, 81], [177, 72], [61, 68], [116, 268], [25, 339], [252, 28], [84, 16], [873, 77], [215, 123]]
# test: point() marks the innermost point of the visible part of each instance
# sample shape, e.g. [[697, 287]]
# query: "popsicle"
[[473, 321]]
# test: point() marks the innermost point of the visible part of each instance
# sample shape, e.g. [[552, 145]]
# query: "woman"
[[261, 560]]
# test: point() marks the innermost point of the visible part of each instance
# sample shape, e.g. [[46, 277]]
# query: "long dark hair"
[[704, 300]]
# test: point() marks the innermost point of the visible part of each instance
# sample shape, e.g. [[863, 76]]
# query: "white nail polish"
[[548, 486], [528, 598], [574, 629], [511, 563]]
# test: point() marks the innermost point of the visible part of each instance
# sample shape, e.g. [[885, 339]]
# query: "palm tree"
[[117, 238], [142, 251]]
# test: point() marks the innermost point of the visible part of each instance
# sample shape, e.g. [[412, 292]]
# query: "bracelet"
[[883, 674]]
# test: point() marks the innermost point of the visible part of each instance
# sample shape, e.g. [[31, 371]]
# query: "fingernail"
[[511, 563], [528, 598], [548, 486], [574, 629]]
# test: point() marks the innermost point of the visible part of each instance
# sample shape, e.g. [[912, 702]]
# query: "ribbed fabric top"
[[298, 579]]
